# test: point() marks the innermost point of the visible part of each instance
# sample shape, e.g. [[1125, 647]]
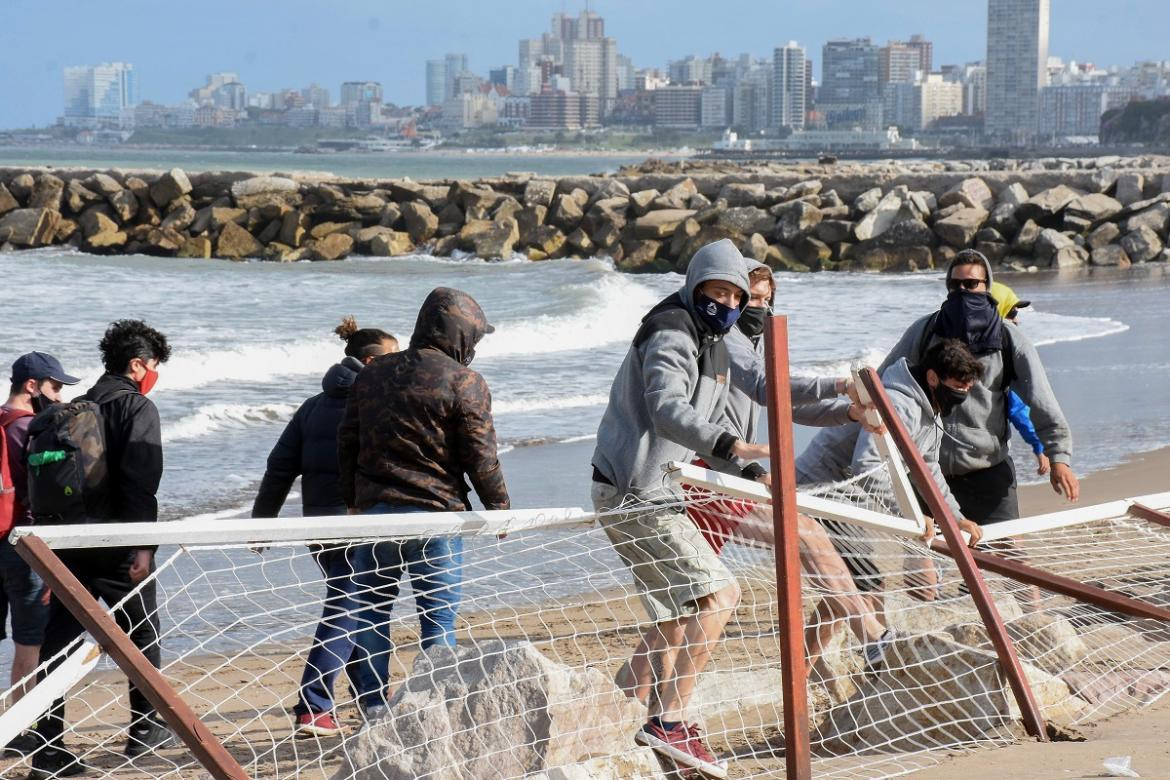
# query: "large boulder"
[[641, 255], [236, 243], [492, 709], [547, 240], [960, 228], [29, 227], [22, 186], [46, 193], [660, 224], [391, 244], [263, 190], [642, 200], [78, 196], [1092, 208], [1142, 245], [539, 192], [678, 196], [1013, 195], [421, 223], [1047, 205], [795, 221], [889, 211], [99, 230], [1111, 255], [930, 683], [497, 240], [972, 193], [125, 204], [747, 220], [737, 194], [172, 184], [334, 246], [1129, 188], [566, 212], [8, 201], [103, 184], [868, 200], [1156, 218]]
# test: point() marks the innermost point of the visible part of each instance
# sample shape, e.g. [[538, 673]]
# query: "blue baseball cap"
[[40, 366]]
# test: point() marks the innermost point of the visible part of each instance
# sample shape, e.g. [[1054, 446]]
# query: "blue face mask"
[[719, 318]]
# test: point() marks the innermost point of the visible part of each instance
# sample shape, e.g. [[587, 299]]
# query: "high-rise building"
[[205, 94], [316, 95], [455, 66], [355, 92], [925, 51], [1017, 60], [503, 76], [560, 110], [751, 102], [690, 70], [899, 63], [936, 98], [789, 88], [678, 107], [713, 107], [850, 93], [578, 49], [102, 94], [436, 82]]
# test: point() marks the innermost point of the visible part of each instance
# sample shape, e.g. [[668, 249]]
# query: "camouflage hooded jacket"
[[417, 421]]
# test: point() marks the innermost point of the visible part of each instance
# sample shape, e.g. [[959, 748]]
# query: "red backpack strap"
[[9, 416]]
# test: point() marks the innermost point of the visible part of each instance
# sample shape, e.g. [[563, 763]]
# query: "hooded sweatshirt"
[[417, 421], [836, 454], [669, 397], [308, 448], [813, 399], [978, 430]]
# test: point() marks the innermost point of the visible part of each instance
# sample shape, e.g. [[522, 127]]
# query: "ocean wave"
[[218, 418], [555, 403], [609, 311], [1046, 328]]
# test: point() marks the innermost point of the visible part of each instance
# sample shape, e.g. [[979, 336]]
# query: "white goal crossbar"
[[305, 529]]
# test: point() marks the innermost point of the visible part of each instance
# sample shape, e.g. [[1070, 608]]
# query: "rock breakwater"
[[651, 218]]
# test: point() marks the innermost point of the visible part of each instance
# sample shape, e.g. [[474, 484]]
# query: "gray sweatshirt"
[[836, 454], [669, 398], [978, 429]]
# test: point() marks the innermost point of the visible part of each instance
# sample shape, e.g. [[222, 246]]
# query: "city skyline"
[[34, 94]]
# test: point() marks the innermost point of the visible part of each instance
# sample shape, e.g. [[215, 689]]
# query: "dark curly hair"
[[129, 339], [951, 359]]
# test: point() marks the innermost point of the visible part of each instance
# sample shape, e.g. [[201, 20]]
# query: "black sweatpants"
[[106, 575], [988, 495]]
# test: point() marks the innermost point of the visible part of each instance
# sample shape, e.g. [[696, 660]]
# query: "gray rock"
[[21, 186], [796, 220], [78, 197], [1049, 242], [888, 212], [236, 243], [125, 205], [1093, 208], [539, 192], [747, 220], [46, 192], [548, 241], [179, 218], [334, 246], [972, 193], [1047, 204], [833, 231], [805, 188], [1003, 219], [907, 232], [868, 200], [677, 196], [1109, 255], [738, 195], [641, 201], [566, 212], [812, 252], [1103, 180], [103, 184], [1142, 245], [959, 229], [172, 184], [1070, 257], [1013, 195], [488, 710], [1026, 237], [1104, 235], [29, 227], [497, 241], [1129, 188], [1156, 218], [262, 190], [8, 201]]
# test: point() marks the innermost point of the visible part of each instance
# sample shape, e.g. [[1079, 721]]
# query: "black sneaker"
[[56, 762], [149, 735], [23, 745]]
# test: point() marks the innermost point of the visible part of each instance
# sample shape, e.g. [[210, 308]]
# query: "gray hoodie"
[[978, 430], [813, 400], [837, 454], [669, 398]]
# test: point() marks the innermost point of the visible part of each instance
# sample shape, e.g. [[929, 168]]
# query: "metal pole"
[[209, 751], [784, 522], [1065, 586], [1151, 514], [923, 480]]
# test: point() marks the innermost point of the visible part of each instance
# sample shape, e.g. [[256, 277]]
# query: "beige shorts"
[[673, 565]]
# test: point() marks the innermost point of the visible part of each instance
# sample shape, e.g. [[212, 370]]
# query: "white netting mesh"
[[547, 619]]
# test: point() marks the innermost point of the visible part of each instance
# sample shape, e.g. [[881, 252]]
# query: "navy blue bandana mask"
[[719, 318], [972, 318]]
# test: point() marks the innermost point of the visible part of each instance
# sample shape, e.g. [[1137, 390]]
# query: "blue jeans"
[[435, 569], [335, 643]]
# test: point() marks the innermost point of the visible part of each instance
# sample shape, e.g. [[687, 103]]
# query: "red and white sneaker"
[[687, 751], [708, 764], [317, 724]]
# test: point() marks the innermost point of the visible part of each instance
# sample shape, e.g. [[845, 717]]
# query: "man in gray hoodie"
[[974, 455], [922, 395], [668, 402]]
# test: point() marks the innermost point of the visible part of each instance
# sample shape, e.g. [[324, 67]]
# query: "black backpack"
[[66, 461]]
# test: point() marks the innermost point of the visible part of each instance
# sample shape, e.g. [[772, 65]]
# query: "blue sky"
[[279, 43]]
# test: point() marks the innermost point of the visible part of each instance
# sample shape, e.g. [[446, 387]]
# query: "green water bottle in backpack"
[[66, 462]]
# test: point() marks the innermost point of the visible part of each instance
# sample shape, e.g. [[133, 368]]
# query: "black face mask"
[[40, 403], [948, 398], [752, 320], [971, 317]]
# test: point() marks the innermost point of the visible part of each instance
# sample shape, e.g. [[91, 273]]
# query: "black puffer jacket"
[[308, 449]]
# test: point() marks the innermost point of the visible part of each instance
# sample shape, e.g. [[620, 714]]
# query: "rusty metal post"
[[784, 522], [923, 480], [1150, 514], [209, 751]]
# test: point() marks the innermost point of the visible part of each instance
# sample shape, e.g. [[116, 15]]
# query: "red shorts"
[[716, 518]]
